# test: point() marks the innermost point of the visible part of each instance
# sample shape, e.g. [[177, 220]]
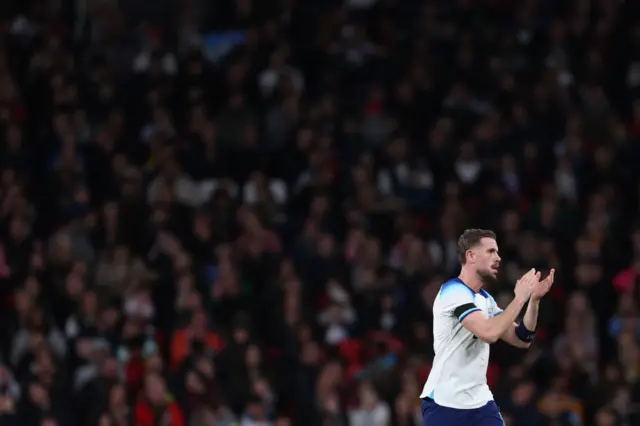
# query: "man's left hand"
[[543, 287]]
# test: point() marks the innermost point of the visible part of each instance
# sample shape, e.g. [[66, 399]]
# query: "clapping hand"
[[542, 287]]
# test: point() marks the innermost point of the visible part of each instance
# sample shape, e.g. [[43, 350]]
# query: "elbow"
[[488, 336], [491, 339], [491, 334]]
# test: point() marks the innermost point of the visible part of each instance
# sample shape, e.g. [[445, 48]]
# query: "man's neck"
[[471, 279]]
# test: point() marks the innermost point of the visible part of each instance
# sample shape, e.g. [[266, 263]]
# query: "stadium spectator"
[[240, 214]]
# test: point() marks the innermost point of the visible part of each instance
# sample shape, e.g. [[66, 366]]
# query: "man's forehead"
[[489, 243]]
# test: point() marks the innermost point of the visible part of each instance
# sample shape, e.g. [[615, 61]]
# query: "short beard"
[[487, 277]]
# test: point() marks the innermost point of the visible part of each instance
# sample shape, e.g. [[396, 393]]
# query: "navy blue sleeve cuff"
[[524, 334]]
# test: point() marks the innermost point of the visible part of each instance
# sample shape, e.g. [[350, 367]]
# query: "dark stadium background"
[[238, 212]]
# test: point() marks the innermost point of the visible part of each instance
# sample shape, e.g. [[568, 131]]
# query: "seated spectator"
[[156, 406], [240, 212]]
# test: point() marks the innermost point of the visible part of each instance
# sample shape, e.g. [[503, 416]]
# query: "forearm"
[[499, 324], [510, 336], [530, 319]]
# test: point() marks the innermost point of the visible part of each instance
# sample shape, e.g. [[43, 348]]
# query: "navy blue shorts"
[[437, 415]]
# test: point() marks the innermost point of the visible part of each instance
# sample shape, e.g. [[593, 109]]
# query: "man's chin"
[[488, 277]]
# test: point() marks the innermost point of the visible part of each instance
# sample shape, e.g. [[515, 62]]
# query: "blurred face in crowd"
[[32, 286], [372, 252], [257, 411], [367, 396], [523, 393], [331, 403], [508, 420], [38, 395], [62, 249], [578, 304], [287, 270], [89, 304], [325, 246], [199, 325], [310, 354], [403, 408], [252, 357], [415, 253], [14, 138], [44, 363], [109, 368], [622, 399], [304, 334], [109, 318], [7, 178], [155, 389], [182, 262], [62, 124], [240, 335], [117, 396], [398, 149], [485, 259], [283, 421], [5, 377], [18, 229], [194, 383], [262, 389], [319, 206], [74, 286], [627, 306], [205, 366], [22, 303], [154, 364], [278, 59], [421, 331], [36, 319], [387, 303], [291, 308], [78, 112], [588, 274], [605, 417]]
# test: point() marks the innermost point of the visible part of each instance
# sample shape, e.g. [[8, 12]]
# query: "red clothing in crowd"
[[145, 415]]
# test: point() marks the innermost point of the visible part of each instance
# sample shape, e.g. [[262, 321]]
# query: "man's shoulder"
[[455, 288]]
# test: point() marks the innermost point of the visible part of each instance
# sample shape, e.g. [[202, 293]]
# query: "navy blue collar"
[[482, 292]]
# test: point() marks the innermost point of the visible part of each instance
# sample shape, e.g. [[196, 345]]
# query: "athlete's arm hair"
[[491, 329]]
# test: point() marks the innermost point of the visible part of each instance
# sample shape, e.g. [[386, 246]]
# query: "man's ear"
[[469, 255]]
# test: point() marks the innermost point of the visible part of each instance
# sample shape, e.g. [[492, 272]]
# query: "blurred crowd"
[[239, 212]]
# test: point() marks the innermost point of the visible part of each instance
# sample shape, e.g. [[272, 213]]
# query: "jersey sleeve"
[[496, 309], [457, 300]]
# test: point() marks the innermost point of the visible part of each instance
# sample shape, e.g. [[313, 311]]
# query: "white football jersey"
[[458, 377]]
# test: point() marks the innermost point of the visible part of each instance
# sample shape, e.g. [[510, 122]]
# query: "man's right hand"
[[524, 286]]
